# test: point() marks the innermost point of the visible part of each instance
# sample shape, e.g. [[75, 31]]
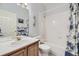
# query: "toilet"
[[44, 49]]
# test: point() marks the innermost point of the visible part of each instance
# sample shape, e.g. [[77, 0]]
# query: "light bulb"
[[53, 21], [25, 3]]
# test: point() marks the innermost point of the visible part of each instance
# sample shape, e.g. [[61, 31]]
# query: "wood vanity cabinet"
[[33, 50], [30, 50]]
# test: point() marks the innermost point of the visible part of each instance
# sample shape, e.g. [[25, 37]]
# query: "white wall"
[[56, 26]]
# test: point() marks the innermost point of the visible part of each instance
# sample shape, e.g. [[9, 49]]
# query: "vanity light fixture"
[[53, 21], [23, 5]]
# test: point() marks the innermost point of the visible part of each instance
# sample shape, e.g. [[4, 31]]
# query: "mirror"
[[10, 14], [7, 23]]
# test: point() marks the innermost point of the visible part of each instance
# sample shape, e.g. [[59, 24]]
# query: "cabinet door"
[[36, 49], [18, 53], [25, 51], [33, 50]]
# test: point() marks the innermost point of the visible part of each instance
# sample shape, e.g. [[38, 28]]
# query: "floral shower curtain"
[[73, 36]]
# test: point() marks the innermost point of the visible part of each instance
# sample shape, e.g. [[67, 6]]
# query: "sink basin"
[[20, 42]]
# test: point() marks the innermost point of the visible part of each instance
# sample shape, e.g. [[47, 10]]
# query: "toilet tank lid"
[[44, 46]]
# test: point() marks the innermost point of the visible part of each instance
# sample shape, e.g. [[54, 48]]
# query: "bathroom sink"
[[18, 42], [23, 41]]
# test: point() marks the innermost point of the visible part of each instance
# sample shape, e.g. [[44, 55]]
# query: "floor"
[[50, 53]]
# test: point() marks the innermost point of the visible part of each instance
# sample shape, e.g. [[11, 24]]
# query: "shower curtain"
[[72, 42]]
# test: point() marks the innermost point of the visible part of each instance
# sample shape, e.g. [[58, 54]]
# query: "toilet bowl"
[[44, 49]]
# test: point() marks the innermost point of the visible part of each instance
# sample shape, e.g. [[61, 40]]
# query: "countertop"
[[14, 45]]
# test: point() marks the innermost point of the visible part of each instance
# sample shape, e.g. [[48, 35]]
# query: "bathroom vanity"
[[29, 47], [30, 50]]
